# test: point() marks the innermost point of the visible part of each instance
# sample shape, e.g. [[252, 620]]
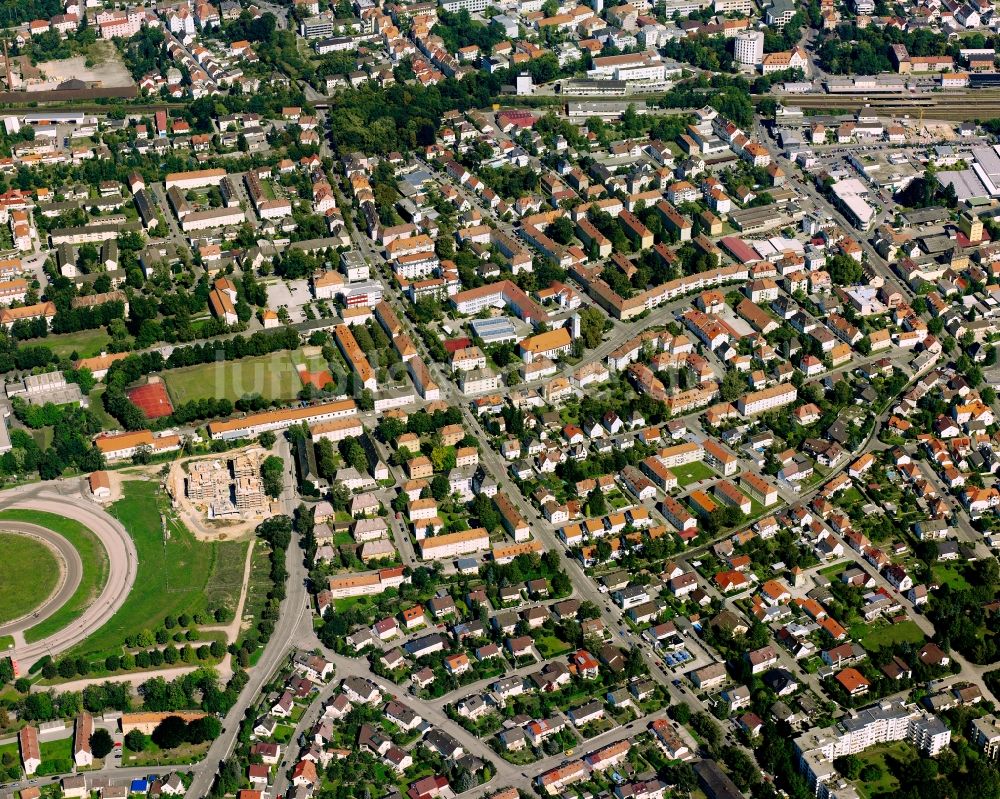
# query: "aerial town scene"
[[500, 399]]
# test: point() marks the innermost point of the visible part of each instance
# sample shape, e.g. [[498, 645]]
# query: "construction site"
[[221, 495]]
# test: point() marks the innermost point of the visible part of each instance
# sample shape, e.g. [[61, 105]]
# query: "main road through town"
[[122, 564]]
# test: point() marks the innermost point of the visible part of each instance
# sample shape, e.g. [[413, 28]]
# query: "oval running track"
[[122, 564]]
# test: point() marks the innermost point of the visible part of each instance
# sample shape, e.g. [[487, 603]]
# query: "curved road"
[[122, 563], [69, 578]]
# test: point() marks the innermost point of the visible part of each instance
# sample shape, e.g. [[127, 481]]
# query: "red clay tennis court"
[[318, 379], [152, 399]]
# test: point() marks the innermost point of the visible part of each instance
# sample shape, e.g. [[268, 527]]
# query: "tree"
[[485, 511], [101, 743], [733, 386], [207, 728], [170, 733], [591, 327], [440, 487], [135, 741], [844, 270], [272, 472], [596, 504], [340, 495], [561, 231], [849, 765], [267, 439], [707, 729]]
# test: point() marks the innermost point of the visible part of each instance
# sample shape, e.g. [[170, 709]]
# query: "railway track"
[[954, 106]]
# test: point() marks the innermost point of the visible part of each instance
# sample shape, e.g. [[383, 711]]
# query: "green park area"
[[272, 376], [93, 558], [177, 573], [28, 574]]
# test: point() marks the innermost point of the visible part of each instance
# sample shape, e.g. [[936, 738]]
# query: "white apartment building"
[[478, 381], [212, 218], [257, 423], [336, 429], [467, 359], [451, 545], [366, 583], [416, 265], [767, 399], [634, 67], [750, 48], [194, 179], [877, 724]]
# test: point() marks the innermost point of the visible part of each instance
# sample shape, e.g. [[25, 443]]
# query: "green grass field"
[[28, 574], [880, 634], [92, 556], [85, 343], [176, 575], [692, 473], [271, 376]]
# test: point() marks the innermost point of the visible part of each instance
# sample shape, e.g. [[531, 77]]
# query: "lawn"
[[850, 497], [57, 756], [260, 585], [85, 343], [28, 574], [177, 574], [283, 733], [692, 473], [272, 376], [549, 646], [880, 634], [93, 558], [830, 572], [152, 755], [10, 753], [108, 422]]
